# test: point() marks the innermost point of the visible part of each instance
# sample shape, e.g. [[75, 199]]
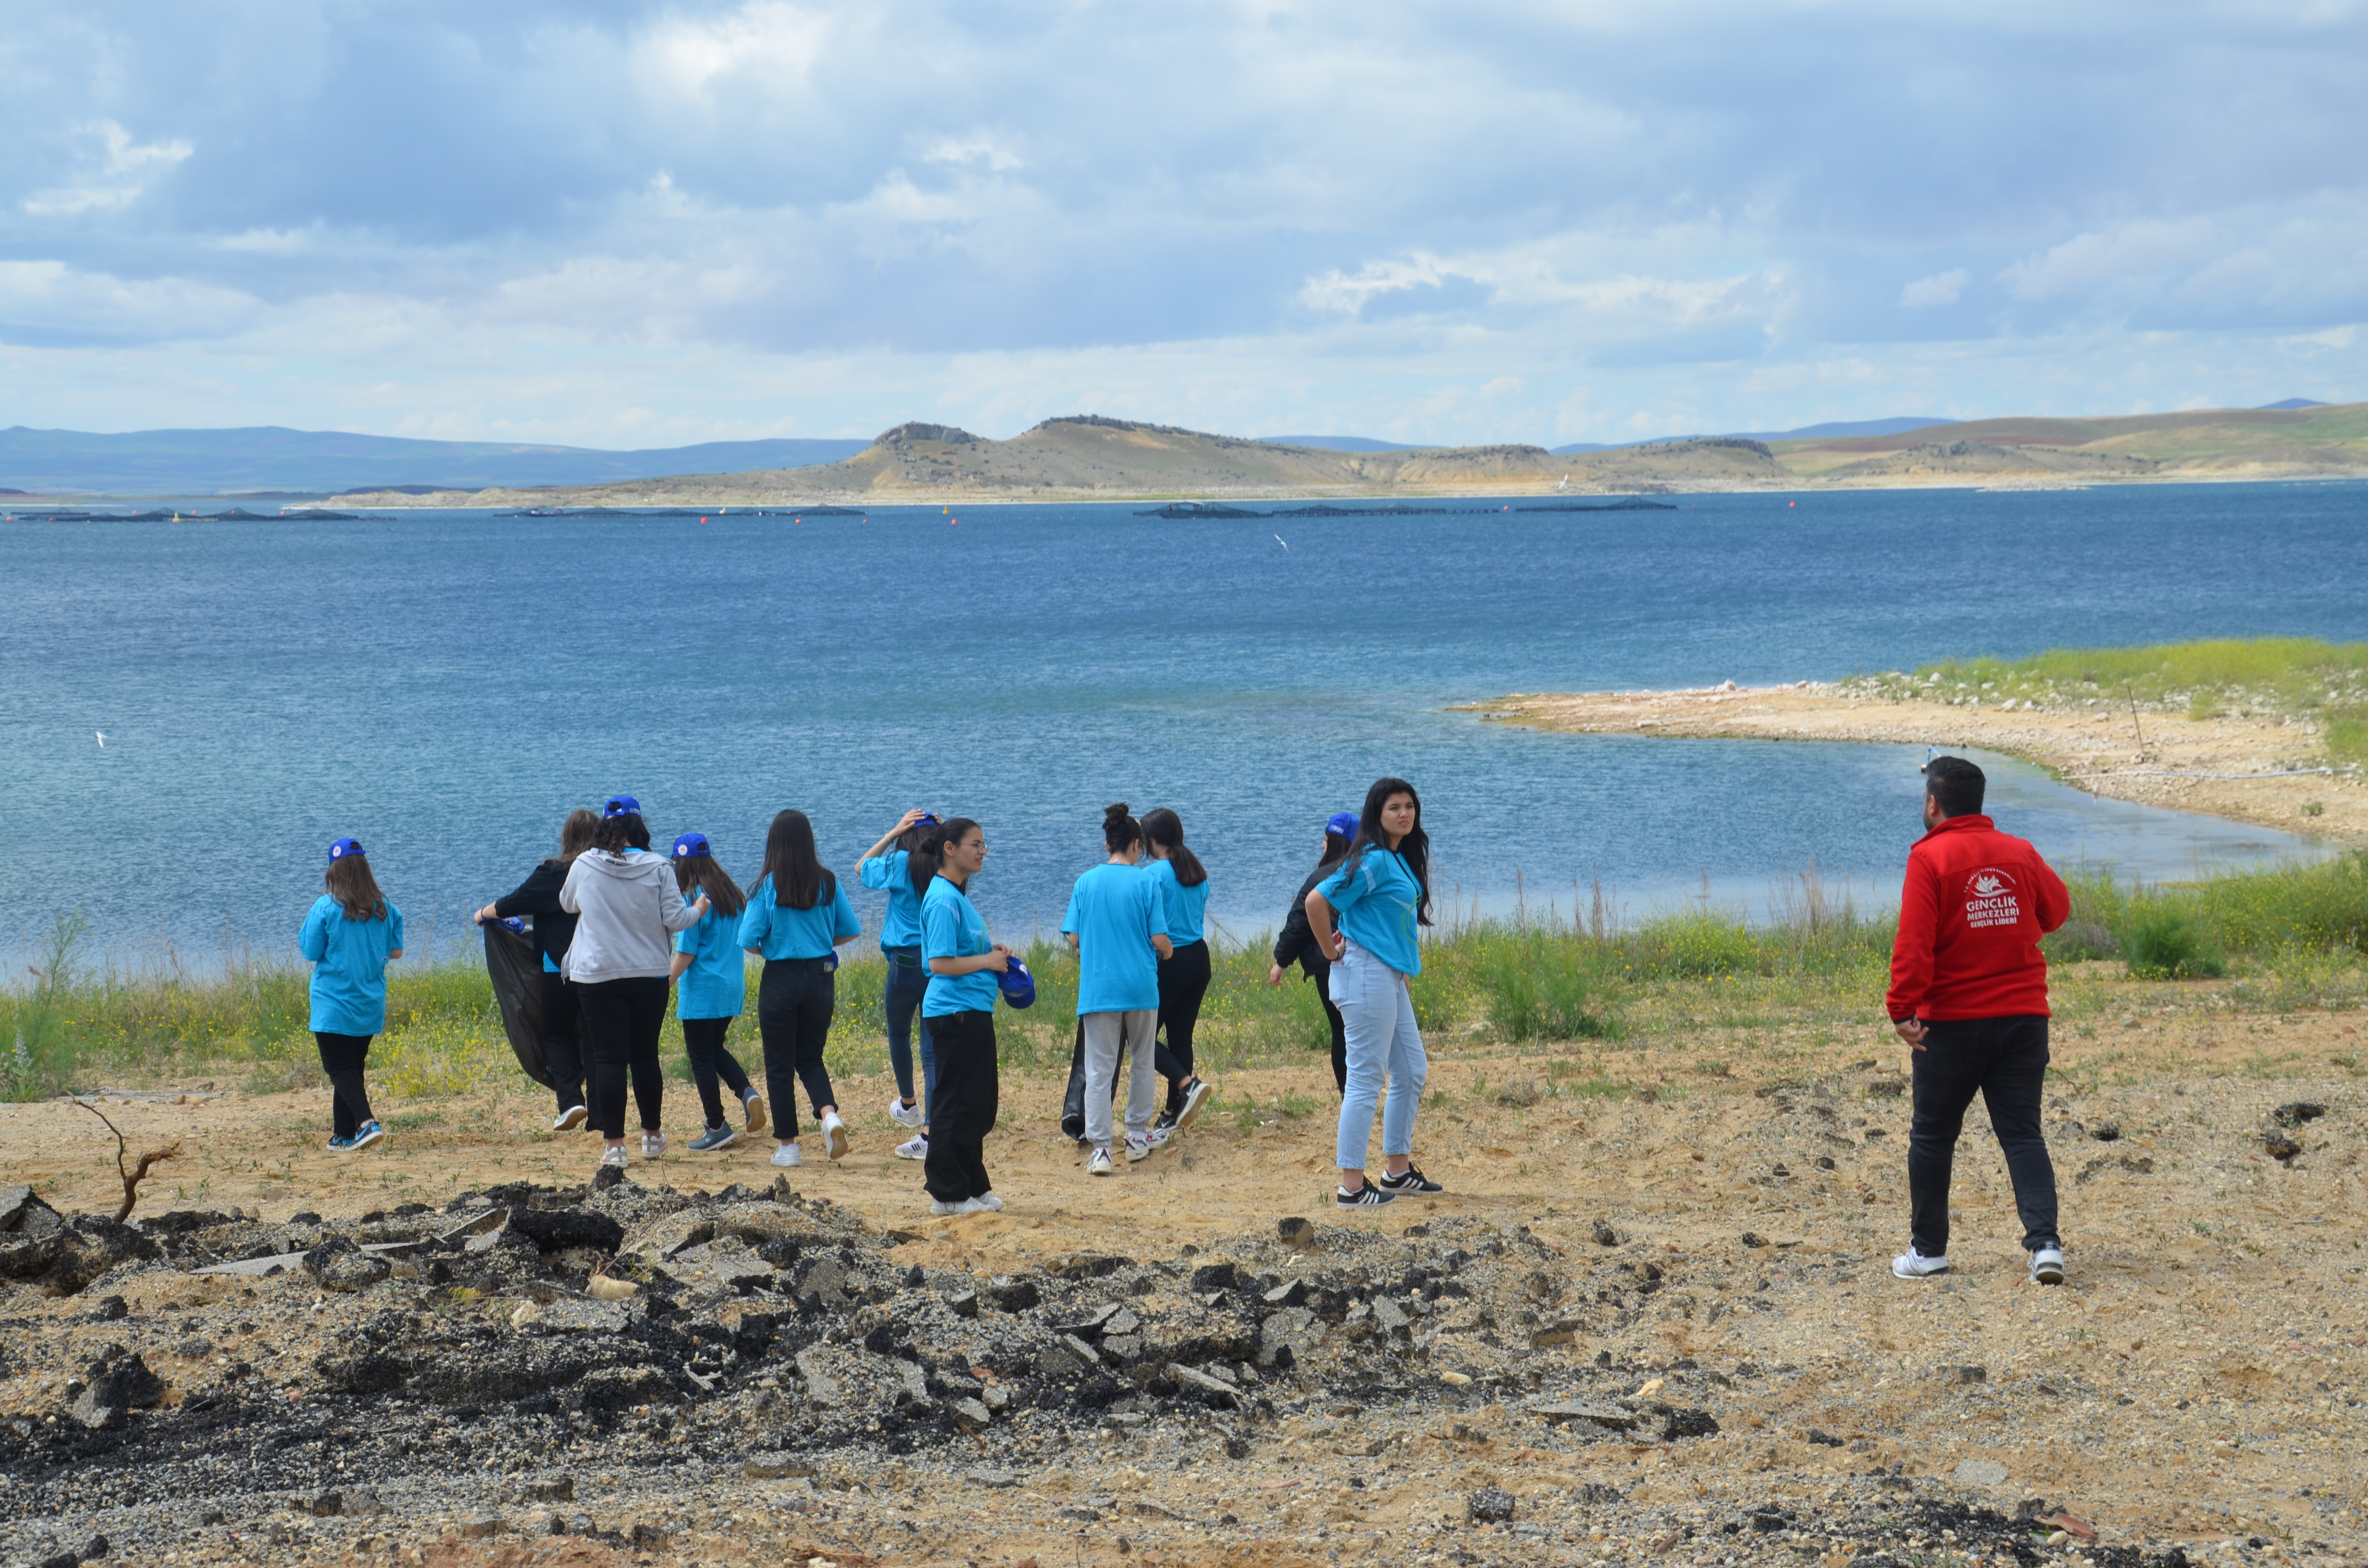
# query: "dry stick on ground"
[[132, 1178]]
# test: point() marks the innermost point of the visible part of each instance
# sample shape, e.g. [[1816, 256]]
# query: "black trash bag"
[[517, 970]]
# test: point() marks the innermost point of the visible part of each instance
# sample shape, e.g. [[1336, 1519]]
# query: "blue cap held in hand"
[[1018, 985], [624, 806], [1344, 823], [691, 844], [345, 846]]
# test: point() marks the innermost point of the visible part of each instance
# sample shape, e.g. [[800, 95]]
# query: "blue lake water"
[[445, 685]]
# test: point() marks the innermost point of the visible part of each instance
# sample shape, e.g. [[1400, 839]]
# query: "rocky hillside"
[[2221, 443]]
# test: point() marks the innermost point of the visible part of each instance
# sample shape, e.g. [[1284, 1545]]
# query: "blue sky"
[[621, 224]]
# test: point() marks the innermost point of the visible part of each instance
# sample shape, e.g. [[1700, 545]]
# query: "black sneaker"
[[1167, 1122], [1366, 1197], [1413, 1183]]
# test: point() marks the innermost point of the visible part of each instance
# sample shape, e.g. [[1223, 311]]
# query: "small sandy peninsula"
[[2256, 768]]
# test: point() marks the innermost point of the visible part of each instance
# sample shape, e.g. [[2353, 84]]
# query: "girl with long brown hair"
[[798, 915], [711, 988], [562, 1019], [351, 935]]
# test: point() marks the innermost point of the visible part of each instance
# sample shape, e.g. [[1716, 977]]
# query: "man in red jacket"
[[1969, 995]]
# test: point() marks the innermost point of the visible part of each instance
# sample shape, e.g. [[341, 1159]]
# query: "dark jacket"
[[1296, 943], [554, 929]]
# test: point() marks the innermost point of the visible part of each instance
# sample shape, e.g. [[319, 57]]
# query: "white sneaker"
[[1137, 1148], [988, 1202], [916, 1147], [905, 1114], [653, 1145], [943, 1210], [615, 1156], [2047, 1267], [569, 1120], [1099, 1165], [1914, 1265], [833, 1136], [1159, 1136], [786, 1154]]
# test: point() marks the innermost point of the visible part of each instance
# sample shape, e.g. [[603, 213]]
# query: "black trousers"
[[622, 1019], [968, 1094], [341, 1059], [1183, 981], [795, 1000], [2005, 1061], [702, 1041], [1323, 979], [562, 1039]]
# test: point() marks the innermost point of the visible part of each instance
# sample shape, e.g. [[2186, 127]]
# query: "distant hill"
[[1841, 428], [2294, 402], [1338, 443], [269, 458], [2320, 440], [1084, 457]]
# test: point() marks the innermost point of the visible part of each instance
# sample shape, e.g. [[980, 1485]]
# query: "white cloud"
[[114, 179], [1941, 289], [2129, 252]]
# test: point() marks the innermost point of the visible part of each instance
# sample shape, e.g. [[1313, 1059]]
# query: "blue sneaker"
[[368, 1133], [339, 1145], [713, 1139]]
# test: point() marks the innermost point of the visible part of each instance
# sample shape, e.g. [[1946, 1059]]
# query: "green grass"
[[2323, 683], [2287, 936]]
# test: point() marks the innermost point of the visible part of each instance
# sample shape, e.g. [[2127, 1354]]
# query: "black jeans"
[[1323, 979], [702, 1041], [963, 1113], [622, 1019], [1183, 981], [341, 1059], [562, 1040], [795, 1000], [2006, 1060]]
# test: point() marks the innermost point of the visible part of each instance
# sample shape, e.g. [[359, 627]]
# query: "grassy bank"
[[2322, 685], [1573, 996]]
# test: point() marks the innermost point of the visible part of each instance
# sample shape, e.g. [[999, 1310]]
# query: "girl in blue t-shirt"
[[710, 981], [1183, 974], [351, 935], [1117, 923], [1379, 897], [886, 867], [797, 918], [960, 1005]]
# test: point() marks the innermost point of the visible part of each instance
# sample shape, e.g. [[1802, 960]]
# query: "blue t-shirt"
[[716, 983], [1184, 905], [1115, 910], [1378, 912], [349, 966], [901, 927], [951, 929], [777, 931]]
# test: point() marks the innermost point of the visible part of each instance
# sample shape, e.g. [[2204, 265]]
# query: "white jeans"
[[1378, 1013], [1105, 1032]]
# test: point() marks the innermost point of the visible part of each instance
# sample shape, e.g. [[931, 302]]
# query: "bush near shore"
[[1571, 993], [2324, 685]]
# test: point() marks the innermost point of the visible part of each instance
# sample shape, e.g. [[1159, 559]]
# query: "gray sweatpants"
[[1105, 1032]]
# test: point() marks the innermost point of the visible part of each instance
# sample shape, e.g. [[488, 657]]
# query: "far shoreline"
[[2238, 766]]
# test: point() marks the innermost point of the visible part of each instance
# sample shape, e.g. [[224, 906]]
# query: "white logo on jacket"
[[1991, 899]]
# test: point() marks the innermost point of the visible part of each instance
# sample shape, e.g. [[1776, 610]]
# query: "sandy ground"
[[2160, 760], [2199, 1380]]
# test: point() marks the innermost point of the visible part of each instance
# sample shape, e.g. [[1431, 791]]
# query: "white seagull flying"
[[1280, 540], [102, 740]]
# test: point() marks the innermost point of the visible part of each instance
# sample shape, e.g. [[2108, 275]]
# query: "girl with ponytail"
[[1183, 884], [960, 1007]]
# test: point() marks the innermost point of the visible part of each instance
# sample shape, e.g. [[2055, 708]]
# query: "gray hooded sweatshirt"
[[629, 903]]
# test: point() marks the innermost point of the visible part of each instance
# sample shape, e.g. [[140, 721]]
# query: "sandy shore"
[[2247, 767]]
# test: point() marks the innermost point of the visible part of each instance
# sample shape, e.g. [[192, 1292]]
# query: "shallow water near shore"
[[445, 685]]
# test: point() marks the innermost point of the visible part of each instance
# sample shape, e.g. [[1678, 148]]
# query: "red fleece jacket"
[[1975, 904]]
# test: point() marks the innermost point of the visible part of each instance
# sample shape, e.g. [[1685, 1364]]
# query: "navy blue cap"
[[624, 806], [1342, 822], [1018, 985], [345, 846], [691, 844]]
